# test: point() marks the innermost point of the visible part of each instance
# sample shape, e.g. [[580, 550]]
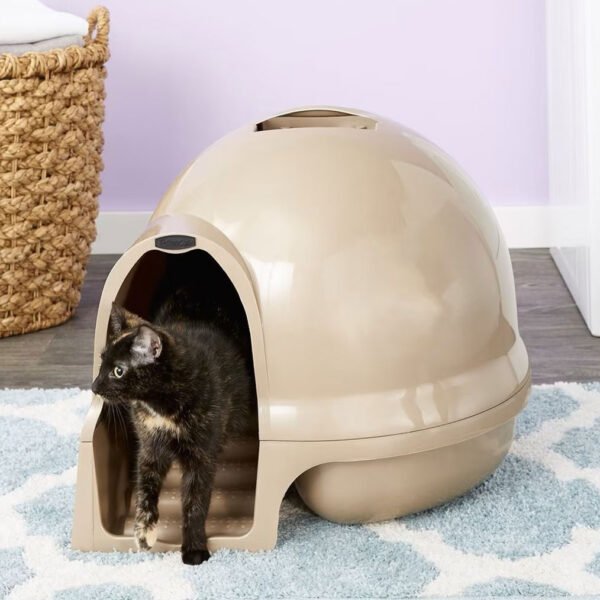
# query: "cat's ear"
[[147, 345], [121, 319]]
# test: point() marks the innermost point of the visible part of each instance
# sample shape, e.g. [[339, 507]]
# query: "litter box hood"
[[379, 298], [378, 287]]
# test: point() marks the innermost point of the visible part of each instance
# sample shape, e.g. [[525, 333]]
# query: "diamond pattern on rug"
[[531, 529]]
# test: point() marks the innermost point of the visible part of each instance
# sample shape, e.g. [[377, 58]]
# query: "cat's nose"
[[95, 385]]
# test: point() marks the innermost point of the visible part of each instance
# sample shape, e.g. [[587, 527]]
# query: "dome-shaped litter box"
[[379, 297]]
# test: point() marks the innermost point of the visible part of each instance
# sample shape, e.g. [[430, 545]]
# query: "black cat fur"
[[188, 386]]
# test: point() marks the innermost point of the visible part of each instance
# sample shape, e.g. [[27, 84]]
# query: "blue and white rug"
[[532, 529]]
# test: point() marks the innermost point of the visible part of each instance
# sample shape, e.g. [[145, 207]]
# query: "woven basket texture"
[[51, 114]]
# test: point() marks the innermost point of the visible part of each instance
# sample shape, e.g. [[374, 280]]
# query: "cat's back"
[[216, 357], [212, 352], [202, 338]]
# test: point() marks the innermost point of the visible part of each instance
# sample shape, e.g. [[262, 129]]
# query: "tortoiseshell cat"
[[188, 387]]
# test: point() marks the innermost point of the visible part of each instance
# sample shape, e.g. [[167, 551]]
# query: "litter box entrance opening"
[[231, 511]]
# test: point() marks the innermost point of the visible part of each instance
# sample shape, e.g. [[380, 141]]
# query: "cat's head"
[[134, 359]]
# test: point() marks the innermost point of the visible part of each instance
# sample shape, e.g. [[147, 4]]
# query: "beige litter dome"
[[378, 293]]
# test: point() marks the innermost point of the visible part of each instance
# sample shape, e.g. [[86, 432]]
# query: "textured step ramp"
[[232, 501]]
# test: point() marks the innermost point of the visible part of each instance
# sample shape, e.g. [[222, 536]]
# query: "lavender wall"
[[468, 74]]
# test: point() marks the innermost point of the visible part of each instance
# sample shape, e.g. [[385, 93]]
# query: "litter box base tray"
[[345, 481]]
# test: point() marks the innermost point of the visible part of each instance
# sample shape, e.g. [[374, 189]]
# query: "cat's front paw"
[[194, 557], [145, 535]]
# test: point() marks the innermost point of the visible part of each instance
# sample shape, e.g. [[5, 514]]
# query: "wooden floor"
[[560, 346]]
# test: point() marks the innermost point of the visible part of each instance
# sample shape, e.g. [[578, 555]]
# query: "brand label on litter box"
[[175, 242]]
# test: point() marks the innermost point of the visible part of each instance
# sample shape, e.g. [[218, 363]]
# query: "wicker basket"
[[51, 113]]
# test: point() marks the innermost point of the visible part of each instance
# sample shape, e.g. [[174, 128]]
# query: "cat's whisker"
[[123, 422], [108, 415], [114, 418]]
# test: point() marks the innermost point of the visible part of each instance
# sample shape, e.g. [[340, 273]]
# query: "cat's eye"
[[118, 372]]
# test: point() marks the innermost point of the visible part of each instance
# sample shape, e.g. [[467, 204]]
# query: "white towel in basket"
[[29, 21], [43, 46]]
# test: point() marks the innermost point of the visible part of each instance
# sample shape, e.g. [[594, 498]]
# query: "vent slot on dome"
[[317, 118], [231, 510]]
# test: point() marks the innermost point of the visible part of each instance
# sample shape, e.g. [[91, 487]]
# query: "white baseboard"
[[540, 226], [523, 227], [118, 230]]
